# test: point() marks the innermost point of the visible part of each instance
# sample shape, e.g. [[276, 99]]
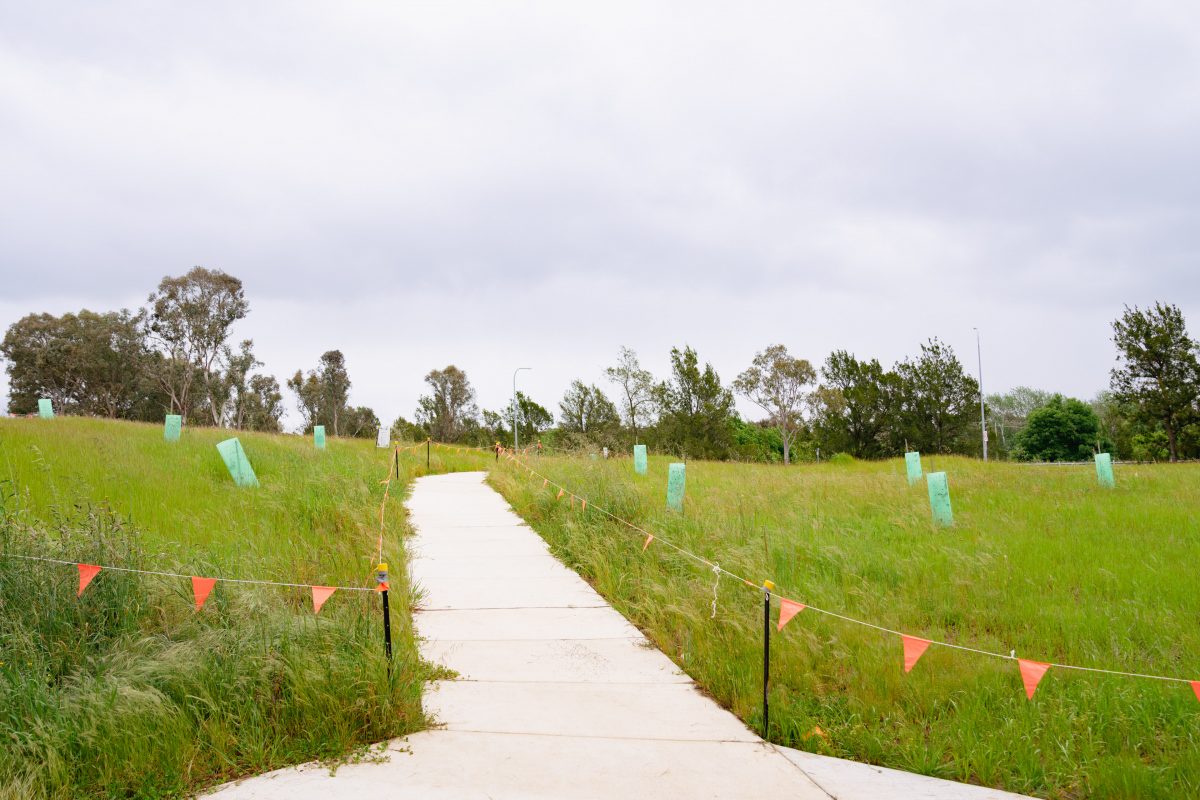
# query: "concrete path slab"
[[555, 589], [624, 660], [850, 779], [556, 694]]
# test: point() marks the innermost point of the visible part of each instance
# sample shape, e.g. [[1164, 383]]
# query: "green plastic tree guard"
[[319, 436], [45, 408], [912, 462], [235, 459], [676, 478], [639, 459], [939, 499], [173, 427], [1104, 471]]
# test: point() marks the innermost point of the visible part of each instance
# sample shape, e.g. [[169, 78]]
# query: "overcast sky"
[[503, 185]]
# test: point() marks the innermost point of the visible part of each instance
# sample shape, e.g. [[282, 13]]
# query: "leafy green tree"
[[587, 410], [934, 402], [696, 408], [637, 389], [404, 431], [323, 394], [587, 419], [756, 441], [335, 382], [360, 422], [188, 320], [252, 401], [853, 405], [532, 417], [1064, 429], [777, 383], [87, 363], [262, 405], [1008, 412], [1157, 374], [448, 412]]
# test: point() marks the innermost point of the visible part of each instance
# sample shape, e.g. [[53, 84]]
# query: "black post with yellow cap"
[[381, 581], [766, 727]]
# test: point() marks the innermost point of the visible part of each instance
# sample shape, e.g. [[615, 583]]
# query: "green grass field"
[[1041, 560], [127, 691]]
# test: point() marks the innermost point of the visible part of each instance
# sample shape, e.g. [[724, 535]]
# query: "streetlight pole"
[[516, 434], [982, 418]]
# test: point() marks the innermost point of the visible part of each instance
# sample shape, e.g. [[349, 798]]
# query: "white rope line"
[[180, 575], [716, 587], [719, 569]]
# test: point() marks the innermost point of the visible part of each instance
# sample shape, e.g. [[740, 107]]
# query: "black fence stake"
[[381, 577], [427, 455], [767, 587], [396, 454]]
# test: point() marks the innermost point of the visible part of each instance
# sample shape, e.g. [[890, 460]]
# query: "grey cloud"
[[854, 175]]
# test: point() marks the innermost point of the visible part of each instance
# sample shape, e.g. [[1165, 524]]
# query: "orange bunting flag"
[[584, 506], [787, 610], [86, 573], [1031, 675], [545, 483], [320, 595], [649, 538], [382, 587], [201, 588], [1196, 688], [561, 492], [914, 648]]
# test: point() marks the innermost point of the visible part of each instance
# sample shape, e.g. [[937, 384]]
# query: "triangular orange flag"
[[1031, 675], [382, 587], [1196, 688], [320, 595], [649, 538], [545, 482], [86, 573], [584, 506], [561, 492], [787, 610], [200, 588], [914, 648]]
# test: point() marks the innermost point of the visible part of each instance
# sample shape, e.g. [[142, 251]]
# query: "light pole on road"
[[982, 418], [516, 435]]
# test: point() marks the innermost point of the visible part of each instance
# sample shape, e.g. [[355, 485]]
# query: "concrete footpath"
[[558, 695]]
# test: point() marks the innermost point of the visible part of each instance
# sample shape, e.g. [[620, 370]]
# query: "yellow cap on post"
[[769, 586]]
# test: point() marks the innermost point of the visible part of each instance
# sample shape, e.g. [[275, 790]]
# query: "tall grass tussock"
[[127, 691]]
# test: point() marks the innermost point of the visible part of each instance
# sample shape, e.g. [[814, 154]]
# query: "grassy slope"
[[127, 692], [1041, 559]]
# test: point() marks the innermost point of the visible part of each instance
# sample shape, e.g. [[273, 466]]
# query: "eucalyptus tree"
[[778, 383]]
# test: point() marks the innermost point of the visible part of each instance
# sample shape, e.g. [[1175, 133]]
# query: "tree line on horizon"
[[174, 356]]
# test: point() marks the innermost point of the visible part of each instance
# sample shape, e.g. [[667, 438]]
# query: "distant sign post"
[[45, 408], [173, 427], [319, 436]]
